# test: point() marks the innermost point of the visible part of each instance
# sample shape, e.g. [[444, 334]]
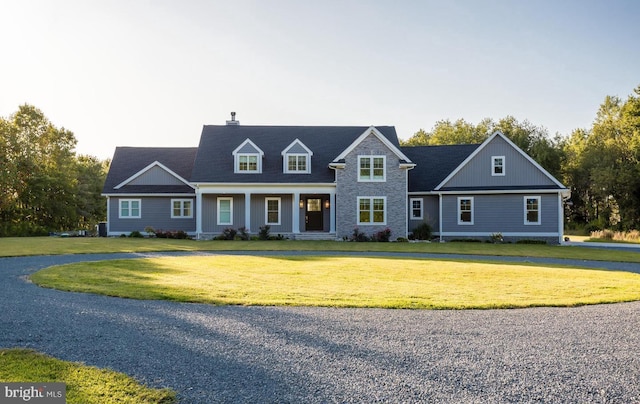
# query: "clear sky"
[[151, 73]]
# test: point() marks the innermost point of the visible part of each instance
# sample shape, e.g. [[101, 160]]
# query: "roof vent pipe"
[[233, 120]]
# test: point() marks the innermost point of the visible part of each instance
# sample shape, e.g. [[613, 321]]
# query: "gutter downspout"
[[440, 216]]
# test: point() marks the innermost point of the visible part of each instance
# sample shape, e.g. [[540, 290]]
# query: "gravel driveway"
[[210, 354]]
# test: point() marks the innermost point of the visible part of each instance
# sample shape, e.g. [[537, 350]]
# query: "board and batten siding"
[[518, 170], [210, 212], [156, 176], [154, 212], [258, 209], [504, 213], [430, 212]]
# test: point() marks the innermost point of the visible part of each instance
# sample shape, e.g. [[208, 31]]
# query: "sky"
[[152, 73]]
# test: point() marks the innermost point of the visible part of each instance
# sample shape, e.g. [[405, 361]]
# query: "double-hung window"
[[297, 163], [181, 208], [372, 210], [225, 211], [497, 166], [272, 211], [531, 210], [416, 208], [130, 209], [248, 163], [465, 210], [371, 168]]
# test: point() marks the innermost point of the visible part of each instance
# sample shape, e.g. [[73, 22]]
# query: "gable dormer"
[[296, 158], [247, 158]]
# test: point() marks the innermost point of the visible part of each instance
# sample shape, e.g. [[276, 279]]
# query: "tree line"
[[600, 165], [44, 185]]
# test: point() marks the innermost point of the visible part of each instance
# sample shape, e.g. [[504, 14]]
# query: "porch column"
[[295, 208], [440, 216], [198, 213], [247, 211], [332, 212]]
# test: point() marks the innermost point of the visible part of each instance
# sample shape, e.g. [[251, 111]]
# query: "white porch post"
[[295, 208], [198, 212], [247, 211], [560, 219], [332, 212]]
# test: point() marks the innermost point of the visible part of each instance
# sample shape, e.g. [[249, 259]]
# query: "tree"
[[39, 183]]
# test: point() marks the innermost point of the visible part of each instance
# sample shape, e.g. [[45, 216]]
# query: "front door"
[[313, 215]]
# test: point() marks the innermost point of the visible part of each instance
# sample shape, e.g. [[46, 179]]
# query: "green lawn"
[[343, 282], [85, 384], [54, 246]]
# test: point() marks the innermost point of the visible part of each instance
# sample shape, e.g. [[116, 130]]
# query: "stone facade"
[[393, 190]]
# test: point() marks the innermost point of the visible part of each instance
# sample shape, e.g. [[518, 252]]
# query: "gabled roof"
[[372, 131], [214, 161], [434, 163], [130, 163], [510, 143]]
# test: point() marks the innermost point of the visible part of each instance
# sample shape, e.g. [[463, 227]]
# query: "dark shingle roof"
[[434, 163], [128, 161], [214, 161]]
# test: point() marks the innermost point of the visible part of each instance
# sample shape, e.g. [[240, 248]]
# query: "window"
[[297, 163], [416, 208], [371, 210], [272, 210], [130, 209], [371, 168], [225, 211], [531, 210], [248, 163], [497, 165], [465, 210], [181, 208]]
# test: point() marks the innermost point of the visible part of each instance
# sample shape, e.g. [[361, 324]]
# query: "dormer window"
[[247, 158], [296, 158]]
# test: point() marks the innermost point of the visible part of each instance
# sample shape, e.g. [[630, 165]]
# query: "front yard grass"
[[343, 282], [18, 246], [85, 384]]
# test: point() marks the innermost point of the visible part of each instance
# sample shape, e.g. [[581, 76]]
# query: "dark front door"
[[313, 214]]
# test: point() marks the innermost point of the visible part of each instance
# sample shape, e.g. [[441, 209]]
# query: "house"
[[322, 182]]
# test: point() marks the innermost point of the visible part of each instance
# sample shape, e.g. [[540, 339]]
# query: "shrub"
[[358, 236], [422, 232], [402, 240], [150, 231], [263, 234], [528, 241], [179, 234], [496, 238], [227, 234], [136, 234], [383, 235], [242, 234]]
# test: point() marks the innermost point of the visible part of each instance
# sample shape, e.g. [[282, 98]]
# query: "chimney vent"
[[233, 121]]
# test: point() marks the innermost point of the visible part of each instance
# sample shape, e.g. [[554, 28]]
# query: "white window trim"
[[371, 158], [182, 202], [539, 199], [218, 221], [411, 200], [266, 210], [258, 169], [120, 216], [493, 166], [285, 163], [372, 223], [460, 222]]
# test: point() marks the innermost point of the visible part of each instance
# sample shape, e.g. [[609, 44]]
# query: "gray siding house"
[[322, 182]]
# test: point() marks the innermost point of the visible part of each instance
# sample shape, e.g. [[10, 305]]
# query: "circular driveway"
[[210, 354]]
